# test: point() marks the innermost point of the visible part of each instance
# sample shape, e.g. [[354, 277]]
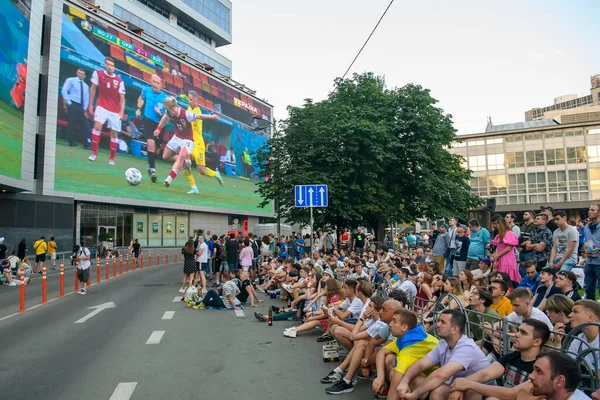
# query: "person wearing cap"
[[83, 268], [546, 288], [531, 280], [549, 211], [565, 243], [540, 242], [3, 249], [566, 281], [592, 248], [482, 274], [461, 249], [480, 238]]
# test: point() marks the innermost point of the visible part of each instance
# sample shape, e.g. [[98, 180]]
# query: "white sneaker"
[[288, 287], [111, 162], [12, 284], [92, 157], [193, 190], [204, 291], [181, 290], [290, 333], [83, 292]]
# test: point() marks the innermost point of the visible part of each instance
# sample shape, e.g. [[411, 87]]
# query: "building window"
[[495, 161], [595, 182], [517, 199], [555, 156], [515, 159], [538, 198], [536, 136], [517, 184], [549, 135], [184, 25], [575, 155], [594, 131], [475, 142], [479, 186], [593, 153], [155, 7], [578, 180], [557, 181], [212, 10], [477, 163], [497, 185], [495, 141], [536, 182], [459, 144], [574, 133], [514, 138], [535, 157]]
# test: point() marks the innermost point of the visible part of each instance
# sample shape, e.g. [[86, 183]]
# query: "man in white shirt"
[[202, 262], [83, 269], [565, 242], [520, 299], [584, 312], [342, 323], [405, 284]]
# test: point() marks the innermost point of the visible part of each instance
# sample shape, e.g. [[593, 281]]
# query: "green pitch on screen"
[[76, 174], [11, 141]]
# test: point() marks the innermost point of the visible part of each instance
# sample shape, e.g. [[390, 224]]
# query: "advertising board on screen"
[[112, 88], [14, 36]]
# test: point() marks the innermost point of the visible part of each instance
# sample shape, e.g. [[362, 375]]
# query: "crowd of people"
[[469, 313]]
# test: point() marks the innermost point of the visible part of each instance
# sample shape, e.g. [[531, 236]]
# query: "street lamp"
[[264, 124]]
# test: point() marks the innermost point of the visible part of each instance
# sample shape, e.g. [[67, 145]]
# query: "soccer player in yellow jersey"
[[199, 148]]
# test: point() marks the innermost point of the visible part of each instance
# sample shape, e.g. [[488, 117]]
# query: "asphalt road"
[[195, 354]]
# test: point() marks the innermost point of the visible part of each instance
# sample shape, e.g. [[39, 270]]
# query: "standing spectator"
[[540, 242], [527, 227], [329, 242], [461, 249], [308, 245], [480, 237], [136, 249], [510, 220], [345, 239], [246, 256], [3, 249], [359, 241], [440, 247], [548, 211], [434, 234], [52, 251], [592, 247], [76, 94], [83, 268], [189, 265], [451, 247], [40, 248], [232, 248], [202, 266], [22, 249], [505, 259], [565, 240], [283, 247], [581, 232]]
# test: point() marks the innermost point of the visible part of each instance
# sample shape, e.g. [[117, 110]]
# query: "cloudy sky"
[[479, 58]]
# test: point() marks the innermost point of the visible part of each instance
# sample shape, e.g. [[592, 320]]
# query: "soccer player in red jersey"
[[110, 107], [182, 143]]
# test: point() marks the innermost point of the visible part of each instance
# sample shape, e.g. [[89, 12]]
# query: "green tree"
[[383, 153]]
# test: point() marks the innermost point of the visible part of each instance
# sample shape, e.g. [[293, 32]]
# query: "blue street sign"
[[311, 196]]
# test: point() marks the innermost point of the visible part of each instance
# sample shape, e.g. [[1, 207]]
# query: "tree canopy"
[[382, 152]]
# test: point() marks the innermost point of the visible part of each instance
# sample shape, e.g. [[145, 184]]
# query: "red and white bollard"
[[22, 290], [44, 287], [107, 273], [97, 269], [120, 264], [76, 280], [114, 267], [167, 257], [62, 279], [127, 264], [149, 258], [157, 257]]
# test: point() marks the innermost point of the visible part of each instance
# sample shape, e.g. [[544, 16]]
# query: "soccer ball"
[[133, 176]]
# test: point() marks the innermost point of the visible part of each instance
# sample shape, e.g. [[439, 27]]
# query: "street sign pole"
[[312, 237]]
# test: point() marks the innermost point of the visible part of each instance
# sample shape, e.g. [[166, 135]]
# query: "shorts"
[[53, 256], [102, 115], [176, 143], [83, 274], [198, 153], [149, 128], [197, 266], [135, 255], [245, 267], [40, 258]]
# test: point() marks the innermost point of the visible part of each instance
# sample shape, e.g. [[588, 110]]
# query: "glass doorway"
[[107, 233]]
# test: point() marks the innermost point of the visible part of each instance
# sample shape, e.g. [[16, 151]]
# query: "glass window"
[[593, 153], [495, 161], [495, 141], [477, 163], [557, 181], [517, 199], [575, 155], [514, 138], [536, 182], [515, 160], [517, 184], [555, 156], [538, 198], [578, 180], [593, 131], [479, 186], [497, 185], [459, 144], [535, 157], [475, 143]]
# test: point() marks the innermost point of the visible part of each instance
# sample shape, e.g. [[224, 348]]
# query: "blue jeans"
[[232, 266], [212, 299], [449, 263], [592, 273], [567, 265]]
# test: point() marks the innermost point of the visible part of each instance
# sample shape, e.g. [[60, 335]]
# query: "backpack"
[[220, 252]]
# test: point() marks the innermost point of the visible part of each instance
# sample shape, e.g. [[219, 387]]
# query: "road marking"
[[168, 315], [123, 391], [177, 299], [239, 313], [97, 310], [155, 337]]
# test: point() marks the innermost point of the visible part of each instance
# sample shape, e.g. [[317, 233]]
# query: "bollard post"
[[22, 302], [107, 274], [44, 287], [114, 267], [175, 256], [140, 261], [89, 282], [149, 258], [62, 279], [97, 269], [167, 256], [120, 264], [76, 280], [157, 257], [127, 264]]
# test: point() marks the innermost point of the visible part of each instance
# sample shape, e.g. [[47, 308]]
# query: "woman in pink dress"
[[505, 259]]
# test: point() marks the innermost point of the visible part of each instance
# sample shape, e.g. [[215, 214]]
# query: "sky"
[[478, 58]]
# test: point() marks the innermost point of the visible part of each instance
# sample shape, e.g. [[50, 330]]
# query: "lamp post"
[[261, 125]]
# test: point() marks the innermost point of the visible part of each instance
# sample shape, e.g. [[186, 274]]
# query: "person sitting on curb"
[[228, 300], [5, 270]]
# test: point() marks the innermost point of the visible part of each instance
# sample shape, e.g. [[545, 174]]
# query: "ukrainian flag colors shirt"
[[414, 345]]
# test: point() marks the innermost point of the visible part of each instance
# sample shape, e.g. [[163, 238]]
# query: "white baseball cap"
[[2, 239]]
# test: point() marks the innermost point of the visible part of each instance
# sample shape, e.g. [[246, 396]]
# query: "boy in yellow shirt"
[[40, 248]]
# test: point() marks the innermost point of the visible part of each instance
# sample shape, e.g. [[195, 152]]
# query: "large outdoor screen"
[[14, 36], [90, 48]]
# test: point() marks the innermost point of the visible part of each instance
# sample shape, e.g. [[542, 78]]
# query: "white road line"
[[155, 337], [168, 315], [239, 313], [177, 299], [123, 391]]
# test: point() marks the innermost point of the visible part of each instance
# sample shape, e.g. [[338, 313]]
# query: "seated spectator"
[[531, 280], [501, 304], [425, 293], [6, 271], [456, 355], [520, 299], [26, 266], [558, 309], [333, 294], [514, 368], [546, 288], [584, 312], [14, 262], [480, 301], [411, 344], [367, 334], [298, 287], [351, 309], [481, 276], [404, 284], [452, 285], [465, 277], [247, 291], [227, 300], [566, 282], [358, 272], [506, 278]]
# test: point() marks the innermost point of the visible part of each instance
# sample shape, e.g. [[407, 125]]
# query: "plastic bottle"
[[270, 319]]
